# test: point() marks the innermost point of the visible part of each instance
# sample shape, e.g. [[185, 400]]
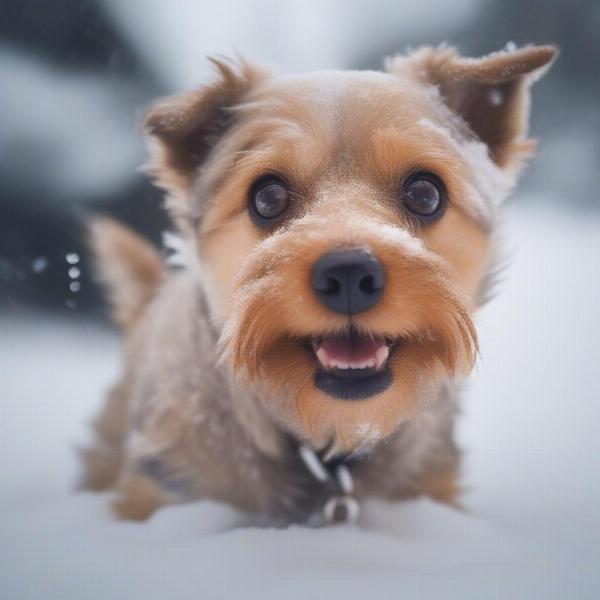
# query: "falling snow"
[[39, 264], [74, 272]]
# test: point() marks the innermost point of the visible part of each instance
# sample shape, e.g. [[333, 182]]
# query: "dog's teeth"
[[381, 355], [323, 356], [330, 361]]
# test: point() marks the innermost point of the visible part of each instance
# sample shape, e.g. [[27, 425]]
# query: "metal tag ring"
[[341, 509]]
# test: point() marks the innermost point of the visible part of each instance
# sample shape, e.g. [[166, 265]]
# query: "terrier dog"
[[339, 234]]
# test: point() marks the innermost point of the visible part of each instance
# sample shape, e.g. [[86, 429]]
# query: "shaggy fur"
[[218, 388]]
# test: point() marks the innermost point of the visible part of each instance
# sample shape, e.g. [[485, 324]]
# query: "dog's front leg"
[[152, 478], [138, 496]]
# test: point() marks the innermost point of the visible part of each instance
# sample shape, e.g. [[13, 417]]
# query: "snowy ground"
[[530, 431]]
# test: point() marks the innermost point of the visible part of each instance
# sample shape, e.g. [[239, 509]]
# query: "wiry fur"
[[420, 306], [130, 269], [218, 387]]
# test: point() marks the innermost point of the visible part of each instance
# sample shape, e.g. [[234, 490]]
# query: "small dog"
[[339, 229]]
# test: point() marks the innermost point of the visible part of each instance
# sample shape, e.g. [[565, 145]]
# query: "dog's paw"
[[138, 497]]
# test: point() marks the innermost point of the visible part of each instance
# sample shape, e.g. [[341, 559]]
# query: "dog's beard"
[[344, 383]]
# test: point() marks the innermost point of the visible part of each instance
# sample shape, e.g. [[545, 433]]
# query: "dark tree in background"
[[40, 224]]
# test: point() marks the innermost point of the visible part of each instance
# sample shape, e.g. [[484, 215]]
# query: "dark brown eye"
[[269, 199], [425, 196]]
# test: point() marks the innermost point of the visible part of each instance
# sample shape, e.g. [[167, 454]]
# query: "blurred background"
[[75, 79], [76, 76]]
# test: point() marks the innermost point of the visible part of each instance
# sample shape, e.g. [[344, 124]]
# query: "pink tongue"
[[355, 350]]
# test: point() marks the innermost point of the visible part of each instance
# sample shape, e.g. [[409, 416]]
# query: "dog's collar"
[[342, 507]]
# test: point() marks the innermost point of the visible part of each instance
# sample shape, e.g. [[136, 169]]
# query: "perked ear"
[[491, 93], [188, 126]]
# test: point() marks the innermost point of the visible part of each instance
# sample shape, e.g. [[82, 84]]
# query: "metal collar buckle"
[[342, 507]]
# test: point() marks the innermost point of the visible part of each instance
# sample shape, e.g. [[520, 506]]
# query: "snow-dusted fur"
[[217, 391]]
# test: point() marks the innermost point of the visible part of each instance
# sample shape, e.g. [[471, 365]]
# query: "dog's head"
[[343, 223]]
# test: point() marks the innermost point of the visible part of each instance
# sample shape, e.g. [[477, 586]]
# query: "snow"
[[39, 264], [72, 258], [531, 528], [179, 252], [74, 272]]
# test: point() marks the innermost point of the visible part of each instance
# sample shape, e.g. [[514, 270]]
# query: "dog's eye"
[[425, 196], [269, 199]]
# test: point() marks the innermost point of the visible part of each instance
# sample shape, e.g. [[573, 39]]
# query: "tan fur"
[[104, 460], [420, 306], [138, 498], [443, 487], [189, 126], [469, 86], [219, 385], [130, 269]]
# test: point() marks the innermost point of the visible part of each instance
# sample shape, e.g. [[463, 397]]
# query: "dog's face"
[[344, 222]]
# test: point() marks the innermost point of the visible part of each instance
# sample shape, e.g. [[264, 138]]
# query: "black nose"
[[348, 281]]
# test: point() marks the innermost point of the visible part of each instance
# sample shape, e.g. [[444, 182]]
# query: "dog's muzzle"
[[348, 281], [351, 366]]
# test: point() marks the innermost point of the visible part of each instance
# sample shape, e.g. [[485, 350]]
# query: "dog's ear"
[[186, 127], [491, 93]]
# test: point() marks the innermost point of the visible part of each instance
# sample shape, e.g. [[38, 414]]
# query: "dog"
[[339, 230]]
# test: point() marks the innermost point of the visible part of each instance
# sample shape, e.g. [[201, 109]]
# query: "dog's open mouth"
[[351, 356], [352, 366]]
